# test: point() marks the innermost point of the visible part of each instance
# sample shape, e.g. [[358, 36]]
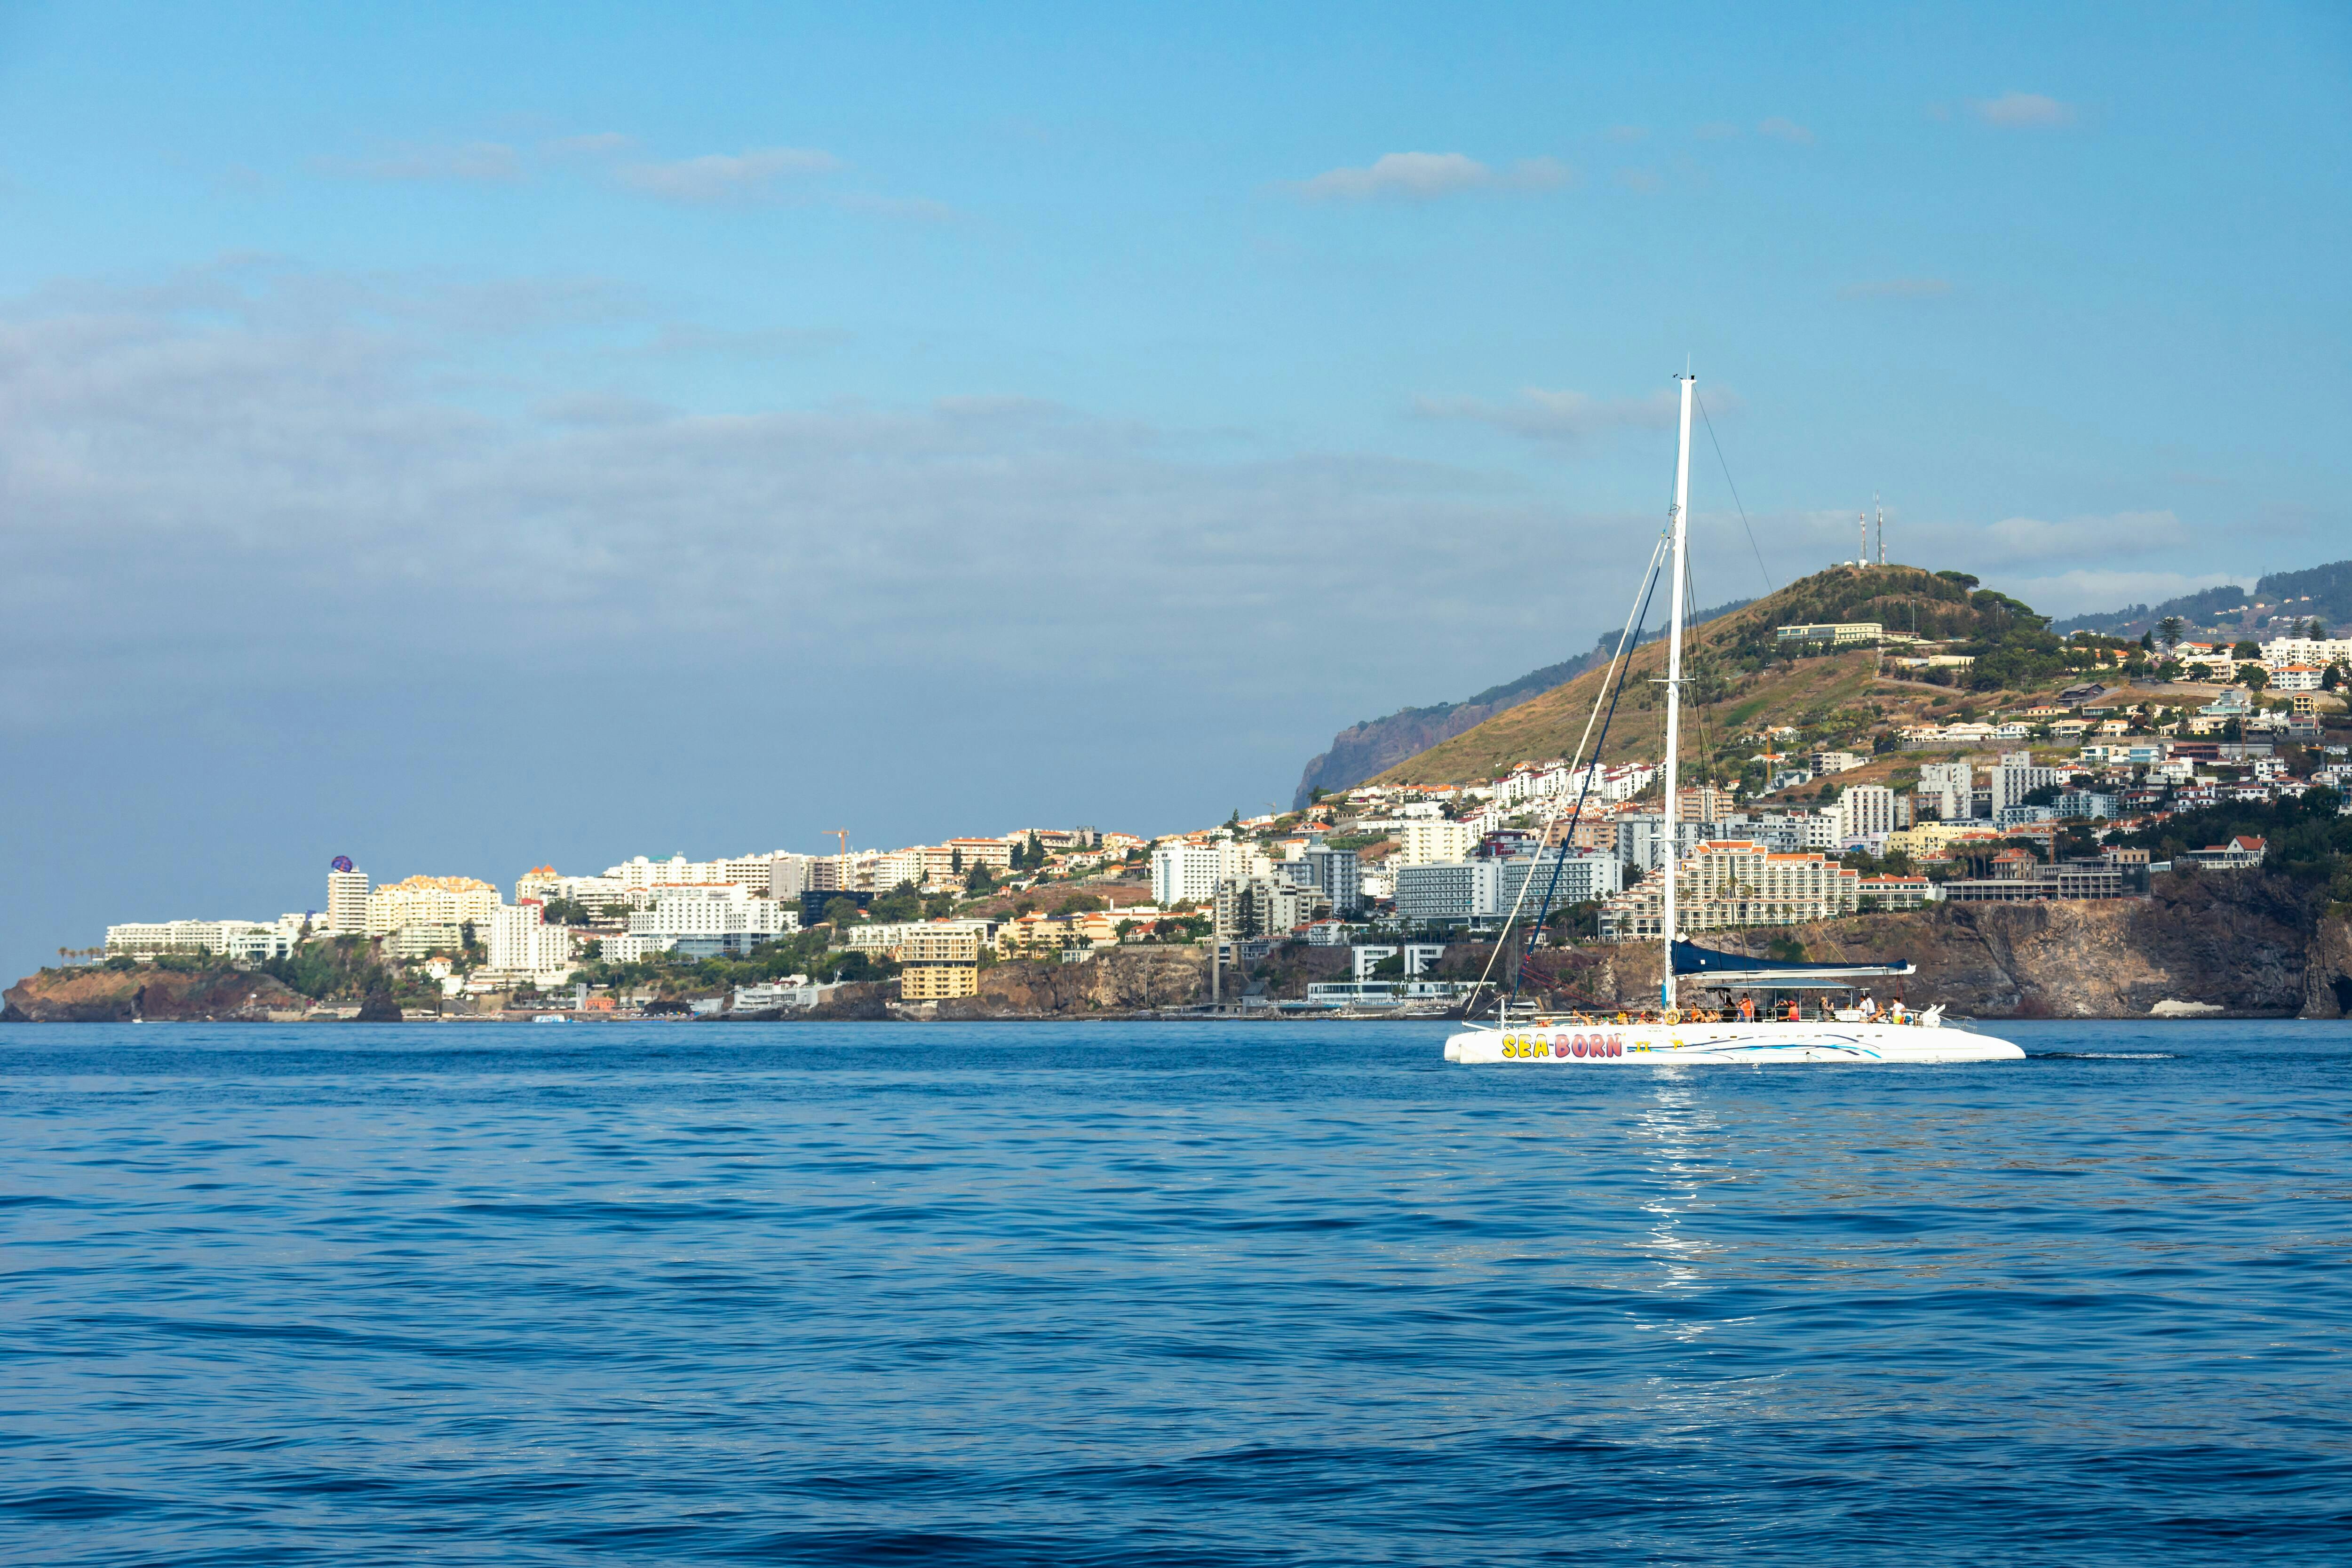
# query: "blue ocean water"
[[1144, 1293]]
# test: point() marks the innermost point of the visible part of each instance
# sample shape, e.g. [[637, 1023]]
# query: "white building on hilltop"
[[240, 941], [756, 872]]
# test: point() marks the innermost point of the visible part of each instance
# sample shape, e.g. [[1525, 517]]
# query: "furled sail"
[[1706, 964]]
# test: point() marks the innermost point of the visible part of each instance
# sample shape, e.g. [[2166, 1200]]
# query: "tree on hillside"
[[2246, 650], [978, 880], [2254, 676], [2168, 632], [900, 903], [840, 912]]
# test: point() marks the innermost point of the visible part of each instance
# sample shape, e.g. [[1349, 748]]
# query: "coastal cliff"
[[116, 997], [2246, 944], [1126, 979]]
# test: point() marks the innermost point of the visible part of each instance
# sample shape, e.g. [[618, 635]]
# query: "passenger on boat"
[[1870, 1009], [1795, 1015], [1747, 1009]]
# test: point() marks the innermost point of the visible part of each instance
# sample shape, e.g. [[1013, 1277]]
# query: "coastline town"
[[1371, 899]]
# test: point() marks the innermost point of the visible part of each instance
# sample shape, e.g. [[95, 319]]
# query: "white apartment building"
[[1266, 905], [897, 866], [241, 942], [1726, 884], [1582, 878], [994, 853], [545, 883], [893, 936], [756, 872], [2280, 652], [430, 901], [1642, 835], [522, 943], [1435, 843], [346, 902], [2017, 777], [1445, 892], [729, 908], [1866, 809], [1181, 870], [1949, 787], [1626, 781]]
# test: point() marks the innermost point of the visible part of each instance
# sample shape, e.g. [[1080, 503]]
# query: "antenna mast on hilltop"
[[1862, 543], [1881, 526]]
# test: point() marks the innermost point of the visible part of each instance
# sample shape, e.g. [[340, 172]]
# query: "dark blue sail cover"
[[1705, 962]]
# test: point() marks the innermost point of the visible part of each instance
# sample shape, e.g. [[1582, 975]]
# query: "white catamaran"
[[1763, 1010]]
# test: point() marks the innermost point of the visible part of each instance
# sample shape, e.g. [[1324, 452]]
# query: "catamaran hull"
[[1702, 1045]]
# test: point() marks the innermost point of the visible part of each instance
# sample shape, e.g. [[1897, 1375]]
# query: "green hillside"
[[1739, 681]]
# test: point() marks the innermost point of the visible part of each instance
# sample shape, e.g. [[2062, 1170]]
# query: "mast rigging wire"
[[1627, 642], [1769, 585]]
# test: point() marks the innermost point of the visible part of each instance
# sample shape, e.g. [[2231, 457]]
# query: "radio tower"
[[1861, 544], [1882, 527]]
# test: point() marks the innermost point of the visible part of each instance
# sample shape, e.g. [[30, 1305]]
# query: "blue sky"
[[467, 437]]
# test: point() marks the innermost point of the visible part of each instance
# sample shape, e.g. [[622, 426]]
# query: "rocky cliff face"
[[2327, 971], [1126, 980], [2247, 944], [116, 997]]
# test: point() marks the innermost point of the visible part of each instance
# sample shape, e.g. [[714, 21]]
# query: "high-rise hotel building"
[[346, 902]]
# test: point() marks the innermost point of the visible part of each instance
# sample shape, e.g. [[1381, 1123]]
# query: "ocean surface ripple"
[[1165, 1293]]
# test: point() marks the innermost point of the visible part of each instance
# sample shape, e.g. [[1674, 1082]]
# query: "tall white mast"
[[1881, 526], [1681, 521]]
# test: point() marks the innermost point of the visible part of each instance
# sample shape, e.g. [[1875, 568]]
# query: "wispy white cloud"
[[2022, 111], [489, 162], [1896, 288], [2021, 539], [1425, 176], [750, 175], [1642, 178], [1781, 130], [1717, 131], [284, 460], [2089, 589], [1626, 132], [1562, 417]]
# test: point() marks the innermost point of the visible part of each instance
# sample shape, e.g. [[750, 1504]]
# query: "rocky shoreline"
[[2243, 946]]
